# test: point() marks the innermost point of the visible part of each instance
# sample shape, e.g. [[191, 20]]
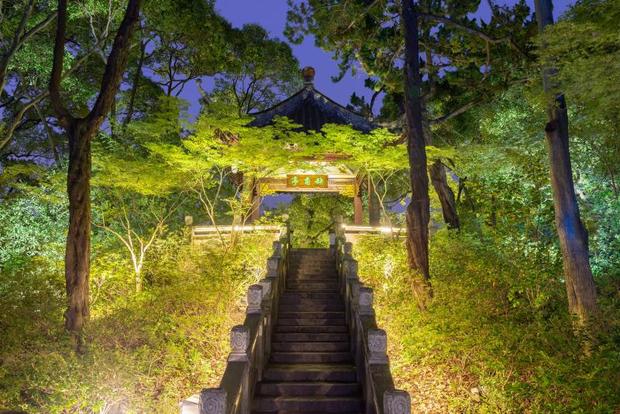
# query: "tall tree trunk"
[[446, 195], [418, 214], [77, 253], [80, 132], [572, 234]]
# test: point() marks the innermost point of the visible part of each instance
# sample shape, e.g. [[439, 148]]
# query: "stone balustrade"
[[250, 343], [369, 343]]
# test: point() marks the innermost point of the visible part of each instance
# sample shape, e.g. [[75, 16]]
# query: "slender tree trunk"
[[445, 194], [572, 234], [135, 86], [374, 204], [77, 254], [418, 211]]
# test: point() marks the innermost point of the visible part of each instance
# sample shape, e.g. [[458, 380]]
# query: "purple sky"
[[271, 14]]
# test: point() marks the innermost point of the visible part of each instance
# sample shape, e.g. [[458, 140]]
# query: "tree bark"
[[446, 195], [77, 253], [374, 204], [418, 214], [80, 132], [572, 234]]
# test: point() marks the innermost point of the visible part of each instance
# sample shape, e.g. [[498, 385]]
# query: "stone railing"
[[368, 342], [250, 343], [200, 234]]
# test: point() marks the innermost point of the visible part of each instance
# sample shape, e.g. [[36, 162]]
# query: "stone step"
[[312, 315], [310, 373], [309, 404], [315, 294], [312, 285], [297, 389], [310, 302], [324, 274], [310, 337], [343, 346], [310, 357], [311, 329], [299, 412], [326, 306], [311, 322]]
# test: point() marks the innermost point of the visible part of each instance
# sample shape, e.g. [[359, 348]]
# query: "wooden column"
[[374, 208], [358, 209], [256, 204]]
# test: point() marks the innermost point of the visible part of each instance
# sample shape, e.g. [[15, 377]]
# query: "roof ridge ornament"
[[308, 74]]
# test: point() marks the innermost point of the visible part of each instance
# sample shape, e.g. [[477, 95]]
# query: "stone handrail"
[[369, 344], [250, 343]]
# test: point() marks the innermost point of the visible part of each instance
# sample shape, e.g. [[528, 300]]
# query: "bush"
[[495, 339], [147, 351]]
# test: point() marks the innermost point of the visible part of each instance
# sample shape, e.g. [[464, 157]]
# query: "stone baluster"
[[396, 402], [364, 303], [239, 343], [272, 266], [277, 249], [377, 347], [212, 401], [255, 299]]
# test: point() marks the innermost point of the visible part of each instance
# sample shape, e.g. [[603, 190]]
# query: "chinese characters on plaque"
[[306, 181]]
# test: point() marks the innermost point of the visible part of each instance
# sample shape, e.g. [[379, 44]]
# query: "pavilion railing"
[[368, 342], [250, 343]]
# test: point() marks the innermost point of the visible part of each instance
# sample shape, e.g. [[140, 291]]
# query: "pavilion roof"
[[312, 109]]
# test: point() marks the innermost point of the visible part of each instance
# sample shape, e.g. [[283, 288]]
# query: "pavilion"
[[312, 110]]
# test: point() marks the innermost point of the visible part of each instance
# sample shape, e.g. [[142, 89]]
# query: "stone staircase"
[[309, 342], [311, 368]]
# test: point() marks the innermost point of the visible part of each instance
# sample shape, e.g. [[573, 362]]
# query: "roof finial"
[[308, 74]]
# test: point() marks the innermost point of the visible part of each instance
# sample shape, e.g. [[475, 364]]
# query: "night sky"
[[271, 14]]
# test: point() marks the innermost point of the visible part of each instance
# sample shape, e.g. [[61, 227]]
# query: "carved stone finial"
[[212, 401], [308, 74], [272, 266], [377, 347], [350, 268], [266, 284], [365, 301], [396, 402], [348, 248], [277, 249], [255, 298], [239, 342]]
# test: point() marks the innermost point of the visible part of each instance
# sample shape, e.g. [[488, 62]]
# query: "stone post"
[[350, 269], [272, 267], [277, 249], [377, 347], [396, 402], [212, 401], [239, 342], [255, 299], [365, 302]]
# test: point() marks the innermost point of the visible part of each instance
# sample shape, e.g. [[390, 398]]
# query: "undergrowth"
[[497, 337], [145, 352]]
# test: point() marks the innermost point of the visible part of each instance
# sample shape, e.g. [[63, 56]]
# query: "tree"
[[263, 71], [418, 210], [80, 131], [572, 234]]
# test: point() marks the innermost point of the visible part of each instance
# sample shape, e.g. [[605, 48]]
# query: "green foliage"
[[496, 337], [33, 222], [311, 216], [146, 352]]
